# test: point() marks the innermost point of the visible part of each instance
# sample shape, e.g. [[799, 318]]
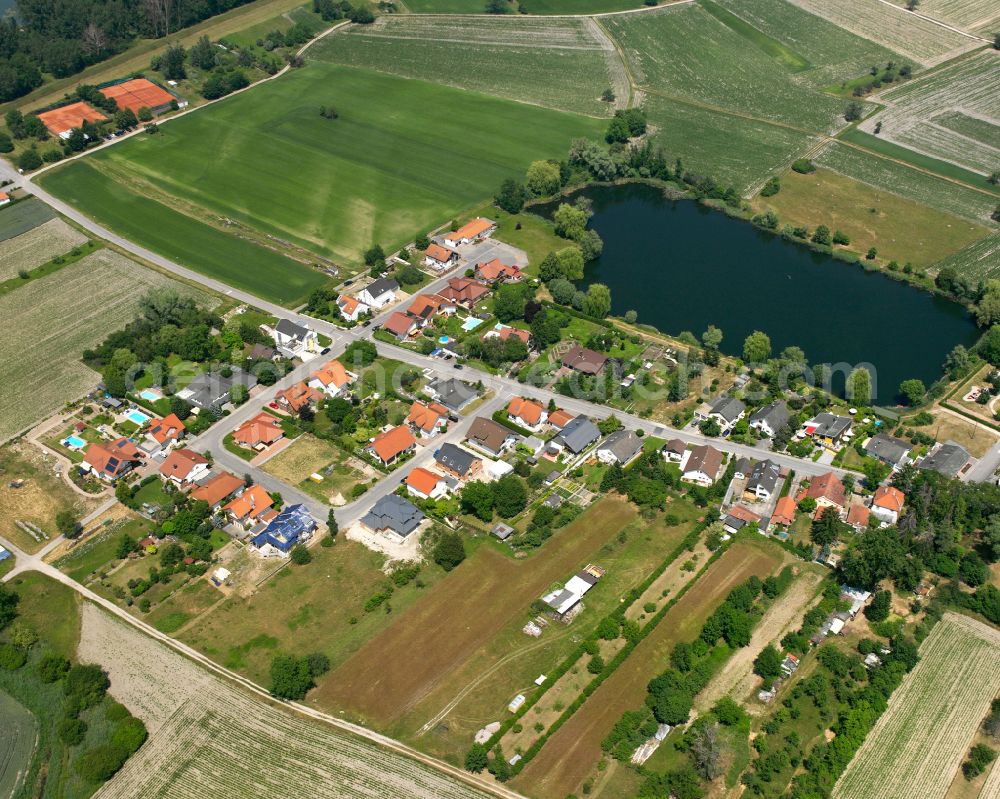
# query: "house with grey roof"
[[294, 340], [742, 468], [770, 419], [212, 389], [393, 516], [828, 429], [763, 480], [452, 393], [674, 450], [948, 459], [620, 447], [576, 436], [727, 411], [379, 293], [889, 449], [457, 462]]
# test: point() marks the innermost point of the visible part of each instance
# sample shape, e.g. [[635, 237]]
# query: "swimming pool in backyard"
[[149, 395], [138, 417], [74, 442], [471, 323]]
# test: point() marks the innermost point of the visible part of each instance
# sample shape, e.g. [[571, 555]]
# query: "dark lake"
[[683, 267]]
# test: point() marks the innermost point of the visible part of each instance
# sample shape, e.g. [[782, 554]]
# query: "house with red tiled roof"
[[216, 489], [887, 504], [252, 506], [858, 515], [425, 306], [424, 484], [390, 446], [184, 467], [504, 332], [351, 308], [168, 430], [478, 228], [259, 431], [439, 257], [784, 512], [560, 418], [828, 492], [527, 413], [332, 378], [111, 460], [464, 291], [496, 270], [427, 420], [400, 325], [297, 396]]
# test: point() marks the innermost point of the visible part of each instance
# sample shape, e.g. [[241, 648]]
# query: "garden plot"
[[919, 742], [51, 321], [559, 63], [977, 261], [897, 178], [915, 111], [894, 28], [210, 739], [37, 246], [21, 217], [835, 55], [685, 52]]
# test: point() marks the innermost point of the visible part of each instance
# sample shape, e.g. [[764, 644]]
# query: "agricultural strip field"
[[55, 319], [901, 229], [733, 150], [421, 649], [881, 173], [977, 261], [181, 237], [833, 54], [917, 745], [37, 246], [570, 754], [969, 86], [16, 743], [982, 16], [21, 217], [402, 157], [210, 739], [281, 22], [557, 63], [685, 52], [893, 28], [530, 6]]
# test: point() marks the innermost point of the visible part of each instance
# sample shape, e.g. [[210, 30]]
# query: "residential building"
[[216, 488], [296, 397], [351, 308], [764, 479], [828, 492], [259, 431], [379, 293], [439, 257], [738, 518], [425, 484], [250, 507], [393, 516], [576, 436], [294, 340], [674, 450], [496, 271], [458, 463], [490, 437], [887, 504], [290, 527], [427, 420], [742, 468], [261, 352], [560, 418], [452, 393], [701, 465], [167, 431], [583, 360], [784, 512], [858, 515], [464, 291], [211, 389], [390, 446], [504, 332], [401, 325], [770, 419], [888, 449], [184, 467], [332, 378], [620, 447], [527, 413], [949, 459], [426, 306], [828, 430], [478, 228], [109, 461], [726, 411]]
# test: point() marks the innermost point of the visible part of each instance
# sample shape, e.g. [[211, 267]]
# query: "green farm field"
[[17, 743], [980, 260], [528, 6], [556, 63], [403, 157]]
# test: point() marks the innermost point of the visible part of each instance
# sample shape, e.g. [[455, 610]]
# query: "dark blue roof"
[[285, 530]]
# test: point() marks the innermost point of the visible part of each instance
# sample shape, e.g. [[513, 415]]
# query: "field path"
[[622, 82], [572, 752]]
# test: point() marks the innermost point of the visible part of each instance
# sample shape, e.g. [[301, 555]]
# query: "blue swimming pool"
[[74, 442], [151, 396], [138, 417], [471, 323]]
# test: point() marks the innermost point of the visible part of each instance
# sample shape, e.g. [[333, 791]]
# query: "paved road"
[[35, 562]]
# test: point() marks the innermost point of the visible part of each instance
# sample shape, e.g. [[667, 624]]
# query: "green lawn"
[[402, 157]]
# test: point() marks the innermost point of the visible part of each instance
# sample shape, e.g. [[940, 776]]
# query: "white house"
[[331, 378], [424, 484], [701, 465], [620, 447], [351, 308], [887, 504], [295, 340], [478, 228], [770, 419], [727, 411], [379, 293], [439, 257]]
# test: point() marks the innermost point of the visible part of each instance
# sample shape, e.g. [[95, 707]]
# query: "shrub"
[[449, 551], [300, 555], [11, 658], [100, 763], [803, 166], [71, 730]]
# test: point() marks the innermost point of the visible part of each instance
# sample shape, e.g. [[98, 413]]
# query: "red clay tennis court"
[[64, 119], [138, 93]]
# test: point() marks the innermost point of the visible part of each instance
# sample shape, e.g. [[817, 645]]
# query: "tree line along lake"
[[682, 266]]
